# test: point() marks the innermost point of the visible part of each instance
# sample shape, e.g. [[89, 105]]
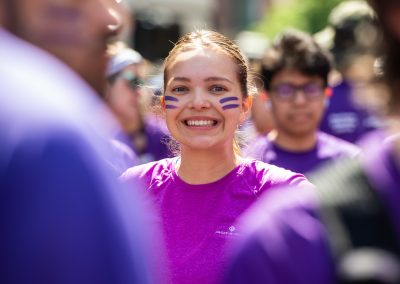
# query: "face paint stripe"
[[228, 99], [170, 107], [169, 98], [230, 106]]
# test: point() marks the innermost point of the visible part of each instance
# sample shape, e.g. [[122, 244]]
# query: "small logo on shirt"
[[231, 231]]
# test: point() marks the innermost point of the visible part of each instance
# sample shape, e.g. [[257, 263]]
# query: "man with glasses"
[[295, 74], [347, 229]]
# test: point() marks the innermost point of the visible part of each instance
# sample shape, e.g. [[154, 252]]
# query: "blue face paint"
[[169, 98], [230, 106], [229, 99], [172, 99]]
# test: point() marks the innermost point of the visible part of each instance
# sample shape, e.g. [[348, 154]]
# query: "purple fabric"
[[383, 172], [344, 118], [326, 149], [199, 220], [156, 147], [64, 218], [285, 241]]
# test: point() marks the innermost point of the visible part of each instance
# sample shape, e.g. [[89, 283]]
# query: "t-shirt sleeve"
[[271, 176]]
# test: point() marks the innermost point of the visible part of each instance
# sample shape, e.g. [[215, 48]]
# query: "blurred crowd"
[[222, 165]]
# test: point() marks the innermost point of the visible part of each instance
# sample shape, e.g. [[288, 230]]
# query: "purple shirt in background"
[[199, 220], [327, 148], [344, 118], [156, 147], [285, 241]]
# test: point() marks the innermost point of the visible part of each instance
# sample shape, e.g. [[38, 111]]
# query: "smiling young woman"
[[201, 192]]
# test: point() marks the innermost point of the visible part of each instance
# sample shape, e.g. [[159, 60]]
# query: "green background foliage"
[[308, 15]]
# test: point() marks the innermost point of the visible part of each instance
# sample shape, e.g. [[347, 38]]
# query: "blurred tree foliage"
[[307, 15]]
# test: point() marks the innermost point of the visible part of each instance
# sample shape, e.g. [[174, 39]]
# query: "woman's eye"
[[217, 89], [179, 89]]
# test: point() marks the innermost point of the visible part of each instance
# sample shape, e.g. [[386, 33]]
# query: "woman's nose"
[[199, 100]]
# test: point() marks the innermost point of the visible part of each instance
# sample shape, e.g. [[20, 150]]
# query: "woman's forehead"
[[202, 64]]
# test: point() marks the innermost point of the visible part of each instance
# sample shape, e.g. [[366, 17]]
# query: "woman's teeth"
[[200, 122]]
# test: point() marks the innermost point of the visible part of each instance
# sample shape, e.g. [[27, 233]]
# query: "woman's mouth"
[[201, 123]]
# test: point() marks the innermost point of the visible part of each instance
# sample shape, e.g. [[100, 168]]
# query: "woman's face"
[[124, 98], [203, 101]]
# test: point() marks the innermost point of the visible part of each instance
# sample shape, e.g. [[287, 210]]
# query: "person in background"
[[254, 45], [349, 115], [129, 99], [64, 217], [200, 193], [348, 230], [295, 74]]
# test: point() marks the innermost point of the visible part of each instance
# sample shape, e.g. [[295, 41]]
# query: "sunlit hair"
[[295, 50], [203, 39]]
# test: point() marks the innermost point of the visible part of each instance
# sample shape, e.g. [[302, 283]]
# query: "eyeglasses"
[[133, 81], [287, 91]]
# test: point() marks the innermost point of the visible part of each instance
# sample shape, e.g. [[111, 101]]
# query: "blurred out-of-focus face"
[[204, 103], [76, 31], [124, 98], [297, 101]]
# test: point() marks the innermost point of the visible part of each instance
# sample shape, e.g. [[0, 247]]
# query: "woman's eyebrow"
[[183, 79], [218, 79]]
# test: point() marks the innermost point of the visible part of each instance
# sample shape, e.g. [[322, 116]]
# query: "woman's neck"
[[201, 167]]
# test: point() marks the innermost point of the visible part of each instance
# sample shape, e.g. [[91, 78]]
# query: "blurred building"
[[159, 23], [234, 16]]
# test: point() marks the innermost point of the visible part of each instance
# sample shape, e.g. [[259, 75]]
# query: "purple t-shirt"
[[199, 220], [327, 148], [284, 239], [345, 119], [156, 147]]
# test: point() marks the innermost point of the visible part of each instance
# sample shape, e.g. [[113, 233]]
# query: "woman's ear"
[[162, 102], [264, 95], [246, 107]]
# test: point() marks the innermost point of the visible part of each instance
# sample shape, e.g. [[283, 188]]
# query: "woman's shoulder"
[[256, 148], [149, 172], [330, 145], [263, 176]]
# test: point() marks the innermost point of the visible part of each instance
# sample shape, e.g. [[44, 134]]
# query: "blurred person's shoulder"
[[284, 240], [150, 173], [256, 147], [263, 176], [334, 147]]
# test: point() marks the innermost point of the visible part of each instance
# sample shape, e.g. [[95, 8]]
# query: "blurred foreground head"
[[77, 32], [388, 17], [355, 31]]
